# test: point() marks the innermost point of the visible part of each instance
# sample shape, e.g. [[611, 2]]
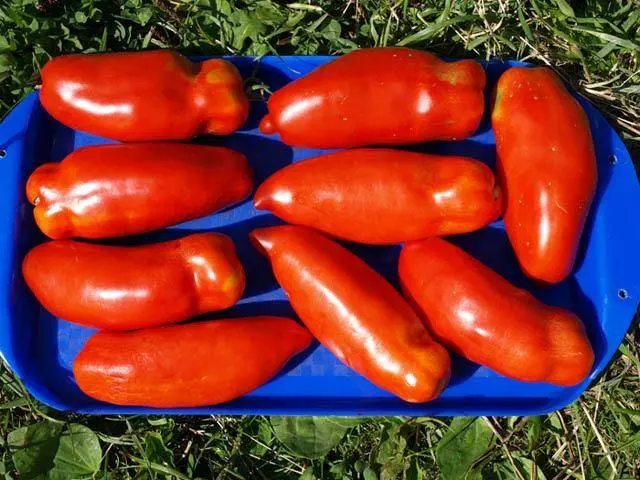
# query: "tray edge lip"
[[575, 392]]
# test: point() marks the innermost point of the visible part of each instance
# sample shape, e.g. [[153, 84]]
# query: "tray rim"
[[28, 111]]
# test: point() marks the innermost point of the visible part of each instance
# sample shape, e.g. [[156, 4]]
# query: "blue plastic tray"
[[604, 291]]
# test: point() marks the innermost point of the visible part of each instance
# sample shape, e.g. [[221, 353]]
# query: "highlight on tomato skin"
[[108, 191], [355, 313], [190, 365], [411, 195], [542, 133], [128, 287], [379, 96], [478, 314], [144, 96]]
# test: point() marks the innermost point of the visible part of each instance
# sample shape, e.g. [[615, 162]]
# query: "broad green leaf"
[[527, 468], [337, 471], [5, 45], [155, 449], [499, 470], [565, 8], [144, 15], [391, 447], [311, 437], [554, 419], [348, 421], [466, 441], [81, 17], [332, 31], [534, 432], [34, 448], [391, 451], [393, 468], [79, 454], [264, 437], [308, 474], [247, 27], [369, 474], [268, 12]]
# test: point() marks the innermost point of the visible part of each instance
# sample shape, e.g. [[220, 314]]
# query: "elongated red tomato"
[[191, 365], [115, 190], [475, 312], [382, 196], [355, 313], [548, 168], [123, 288], [142, 96], [379, 96]]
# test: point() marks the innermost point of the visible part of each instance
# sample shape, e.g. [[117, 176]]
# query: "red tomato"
[[191, 365], [115, 190], [144, 96], [383, 196], [548, 168], [355, 313], [475, 312], [379, 96], [123, 288]]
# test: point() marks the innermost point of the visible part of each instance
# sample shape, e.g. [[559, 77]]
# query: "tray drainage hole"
[[613, 160], [623, 294], [3, 153]]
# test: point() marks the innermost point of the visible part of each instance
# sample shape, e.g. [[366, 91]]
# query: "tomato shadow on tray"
[[384, 260], [606, 164], [265, 155], [485, 152], [257, 268], [493, 69], [57, 376], [262, 73]]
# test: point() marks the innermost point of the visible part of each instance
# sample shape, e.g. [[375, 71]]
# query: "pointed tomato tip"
[[267, 126], [258, 202], [261, 198], [261, 240]]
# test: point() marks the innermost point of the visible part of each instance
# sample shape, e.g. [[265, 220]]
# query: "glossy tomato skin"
[[355, 313], [190, 365], [122, 288], [475, 312], [144, 96], [379, 96], [115, 190], [410, 195], [547, 166]]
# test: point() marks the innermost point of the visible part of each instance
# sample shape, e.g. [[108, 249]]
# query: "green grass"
[[594, 45]]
